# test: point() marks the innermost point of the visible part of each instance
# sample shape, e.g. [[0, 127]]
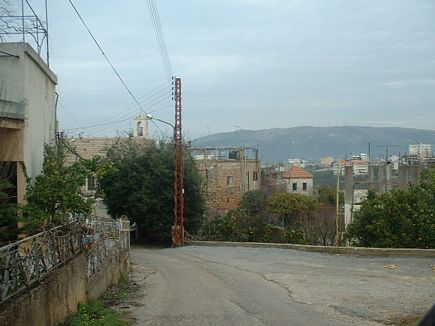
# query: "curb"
[[353, 251]]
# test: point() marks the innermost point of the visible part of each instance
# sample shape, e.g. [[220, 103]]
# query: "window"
[[91, 184], [254, 176], [295, 186], [230, 180], [139, 129], [304, 186]]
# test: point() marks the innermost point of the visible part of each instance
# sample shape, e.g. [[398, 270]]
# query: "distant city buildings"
[[327, 161], [421, 151], [358, 162], [297, 162]]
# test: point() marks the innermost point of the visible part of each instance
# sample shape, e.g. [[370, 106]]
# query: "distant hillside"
[[280, 144]]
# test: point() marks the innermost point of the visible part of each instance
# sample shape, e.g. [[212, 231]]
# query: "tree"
[[291, 207], [138, 181], [254, 202], [54, 197], [237, 225], [328, 195], [399, 218]]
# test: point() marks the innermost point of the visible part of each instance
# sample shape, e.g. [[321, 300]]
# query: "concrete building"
[[298, 180], [228, 173], [421, 151], [27, 112], [297, 162], [359, 167], [327, 161]]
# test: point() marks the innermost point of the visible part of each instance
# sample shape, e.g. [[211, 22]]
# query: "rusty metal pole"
[[178, 228]]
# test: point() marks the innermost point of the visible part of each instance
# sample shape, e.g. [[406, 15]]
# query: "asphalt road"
[[258, 286]]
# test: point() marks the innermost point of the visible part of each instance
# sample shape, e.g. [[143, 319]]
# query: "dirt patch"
[[129, 294]]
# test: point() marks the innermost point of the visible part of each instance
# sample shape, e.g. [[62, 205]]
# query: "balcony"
[[11, 110]]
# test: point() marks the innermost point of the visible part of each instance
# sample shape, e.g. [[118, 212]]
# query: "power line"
[[161, 44], [105, 56], [146, 99], [68, 147], [97, 125], [69, 114], [159, 103]]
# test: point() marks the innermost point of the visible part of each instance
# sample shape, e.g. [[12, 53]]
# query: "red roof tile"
[[297, 172]]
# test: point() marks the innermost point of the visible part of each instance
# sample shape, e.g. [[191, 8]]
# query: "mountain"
[[311, 143]]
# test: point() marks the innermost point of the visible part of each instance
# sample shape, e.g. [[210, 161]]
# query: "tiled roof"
[[297, 172]]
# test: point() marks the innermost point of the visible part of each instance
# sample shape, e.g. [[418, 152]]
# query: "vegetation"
[[8, 215], [328, 195], [144, 177], [55, 195], [281, 217], [237, 225], [99, 312], [94, 313], [116, 294], [399, 218], [290, 208], [324, 178]]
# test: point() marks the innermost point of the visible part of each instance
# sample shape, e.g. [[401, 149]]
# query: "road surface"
[[259, 286]]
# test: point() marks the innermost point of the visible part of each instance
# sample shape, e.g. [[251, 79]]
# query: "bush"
[[94, 313], [238, 226], [399, 218]]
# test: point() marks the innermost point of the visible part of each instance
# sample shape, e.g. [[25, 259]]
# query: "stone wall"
[[226, 181], [59, 293]]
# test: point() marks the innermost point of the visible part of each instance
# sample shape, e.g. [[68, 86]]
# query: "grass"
[[94, 313], [116, 294], [97, 312]]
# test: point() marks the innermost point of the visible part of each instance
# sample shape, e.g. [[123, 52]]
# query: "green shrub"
[[238, 226], [399, 218], [94, 313]]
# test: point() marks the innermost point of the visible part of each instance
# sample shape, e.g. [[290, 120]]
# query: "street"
[[259, 286]]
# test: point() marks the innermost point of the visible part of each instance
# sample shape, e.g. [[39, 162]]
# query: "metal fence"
[[25, 262], [104, 226], [105, 246]]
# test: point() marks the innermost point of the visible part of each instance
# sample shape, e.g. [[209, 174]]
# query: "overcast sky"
[[249, 64]]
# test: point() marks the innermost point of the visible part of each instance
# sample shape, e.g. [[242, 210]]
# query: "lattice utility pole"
[[178, 228]]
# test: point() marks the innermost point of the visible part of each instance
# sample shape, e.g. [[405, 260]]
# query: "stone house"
[[228, 172], [298, 180]]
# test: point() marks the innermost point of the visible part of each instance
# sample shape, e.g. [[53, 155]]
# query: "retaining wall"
[[57, 296], [357, 251]]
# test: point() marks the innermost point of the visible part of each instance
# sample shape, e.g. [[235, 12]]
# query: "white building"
[[327, 161], [360, 167], [140, 126], [27, 111], [420, 150], [297, 162]]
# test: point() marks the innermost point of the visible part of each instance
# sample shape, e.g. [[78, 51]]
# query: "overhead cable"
[[105, 56], [161, 44]]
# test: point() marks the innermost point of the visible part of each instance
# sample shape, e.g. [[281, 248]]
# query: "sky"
[[246, 64]]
